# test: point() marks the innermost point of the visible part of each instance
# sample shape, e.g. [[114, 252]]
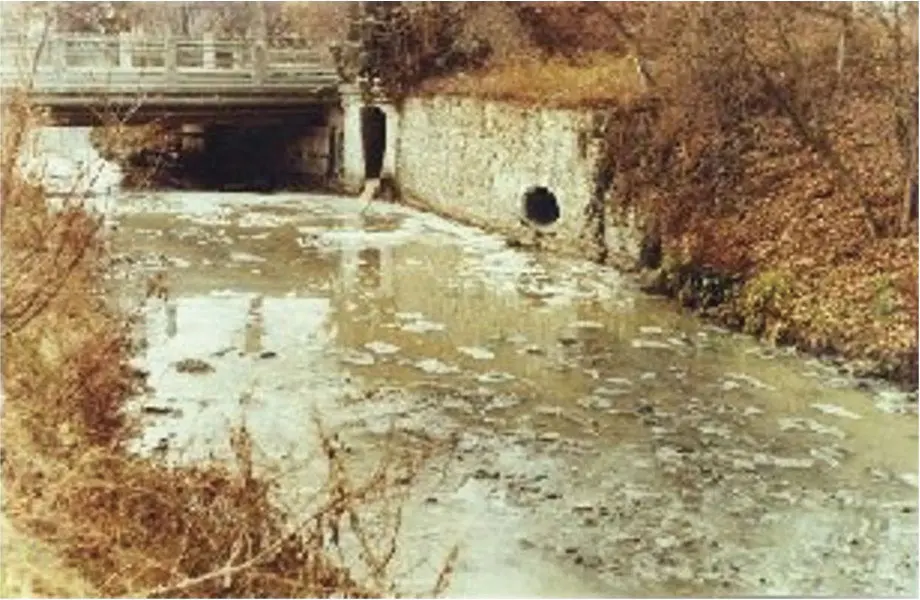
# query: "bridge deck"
[[74, 72]]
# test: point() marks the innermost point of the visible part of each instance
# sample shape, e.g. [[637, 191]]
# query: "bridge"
[[206, 87], [83, 78]]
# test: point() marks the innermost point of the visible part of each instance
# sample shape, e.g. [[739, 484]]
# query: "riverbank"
[[600, 441], [98, 516], [775, 217], [541, 376], [785, 257]]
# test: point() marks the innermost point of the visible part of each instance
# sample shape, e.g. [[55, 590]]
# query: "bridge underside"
[[83, 110]]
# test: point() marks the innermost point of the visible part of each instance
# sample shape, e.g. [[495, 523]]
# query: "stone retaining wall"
[[476, 160]]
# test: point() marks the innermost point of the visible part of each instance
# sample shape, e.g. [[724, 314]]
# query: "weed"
[[763, 302]]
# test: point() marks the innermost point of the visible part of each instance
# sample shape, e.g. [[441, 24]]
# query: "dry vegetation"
[[591, 80], [771, 147], [94, 520], [139, 149], [783, 153]]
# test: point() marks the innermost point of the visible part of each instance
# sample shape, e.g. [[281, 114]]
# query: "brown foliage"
[[590, 80], [774, 140], [572, 28], [138, 149], [139, 529], [127, 525], [769, 155], [52, 298]]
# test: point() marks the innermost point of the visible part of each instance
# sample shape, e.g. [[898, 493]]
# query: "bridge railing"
[[86, 63]]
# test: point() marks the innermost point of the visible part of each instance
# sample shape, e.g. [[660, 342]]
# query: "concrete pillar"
[[259, 62], [389, 154], [260, 47], [209, 52], [353, 146], [170, 59], [124, 51]]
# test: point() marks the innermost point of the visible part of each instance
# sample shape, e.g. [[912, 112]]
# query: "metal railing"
[[91, 64]]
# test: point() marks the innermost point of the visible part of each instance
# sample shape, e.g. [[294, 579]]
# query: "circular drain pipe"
[[541, 207]]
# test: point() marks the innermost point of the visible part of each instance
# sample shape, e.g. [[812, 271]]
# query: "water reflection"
[[255, 326], [172, 323], [296, 307], [550, 329], [370, 269]]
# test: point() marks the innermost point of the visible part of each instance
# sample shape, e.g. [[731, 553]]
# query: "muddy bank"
[[721, 297], [81, 516], [817, 213], [601, 442]]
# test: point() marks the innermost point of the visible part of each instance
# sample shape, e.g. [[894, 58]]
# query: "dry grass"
[[93, 520], [758, 164], [31, 569], [748, 155], [134, 528], [591, 80]]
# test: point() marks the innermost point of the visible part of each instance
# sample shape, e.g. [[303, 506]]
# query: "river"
[[604, 442]]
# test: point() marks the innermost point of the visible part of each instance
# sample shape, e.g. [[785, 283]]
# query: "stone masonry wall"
[[474, 160]]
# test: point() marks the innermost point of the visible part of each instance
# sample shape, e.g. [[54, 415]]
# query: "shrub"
[[764, 301], [128, 526]]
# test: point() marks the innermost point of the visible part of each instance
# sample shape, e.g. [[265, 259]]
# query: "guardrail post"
[[57, 50], [125, 53], [238, 55], [260, 49], [259, 62], [170, 59], [210, 54]]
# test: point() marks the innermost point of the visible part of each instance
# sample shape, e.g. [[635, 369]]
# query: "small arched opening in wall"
[[374, 139], [541, 207]]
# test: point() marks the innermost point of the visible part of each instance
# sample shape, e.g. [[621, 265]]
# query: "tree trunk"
[[632, 41], [842, 49], [814, 136], [845, 29], [909, 203]]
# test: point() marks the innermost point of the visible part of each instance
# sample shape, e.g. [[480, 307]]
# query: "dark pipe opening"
[[541, 206], [373, 137]]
